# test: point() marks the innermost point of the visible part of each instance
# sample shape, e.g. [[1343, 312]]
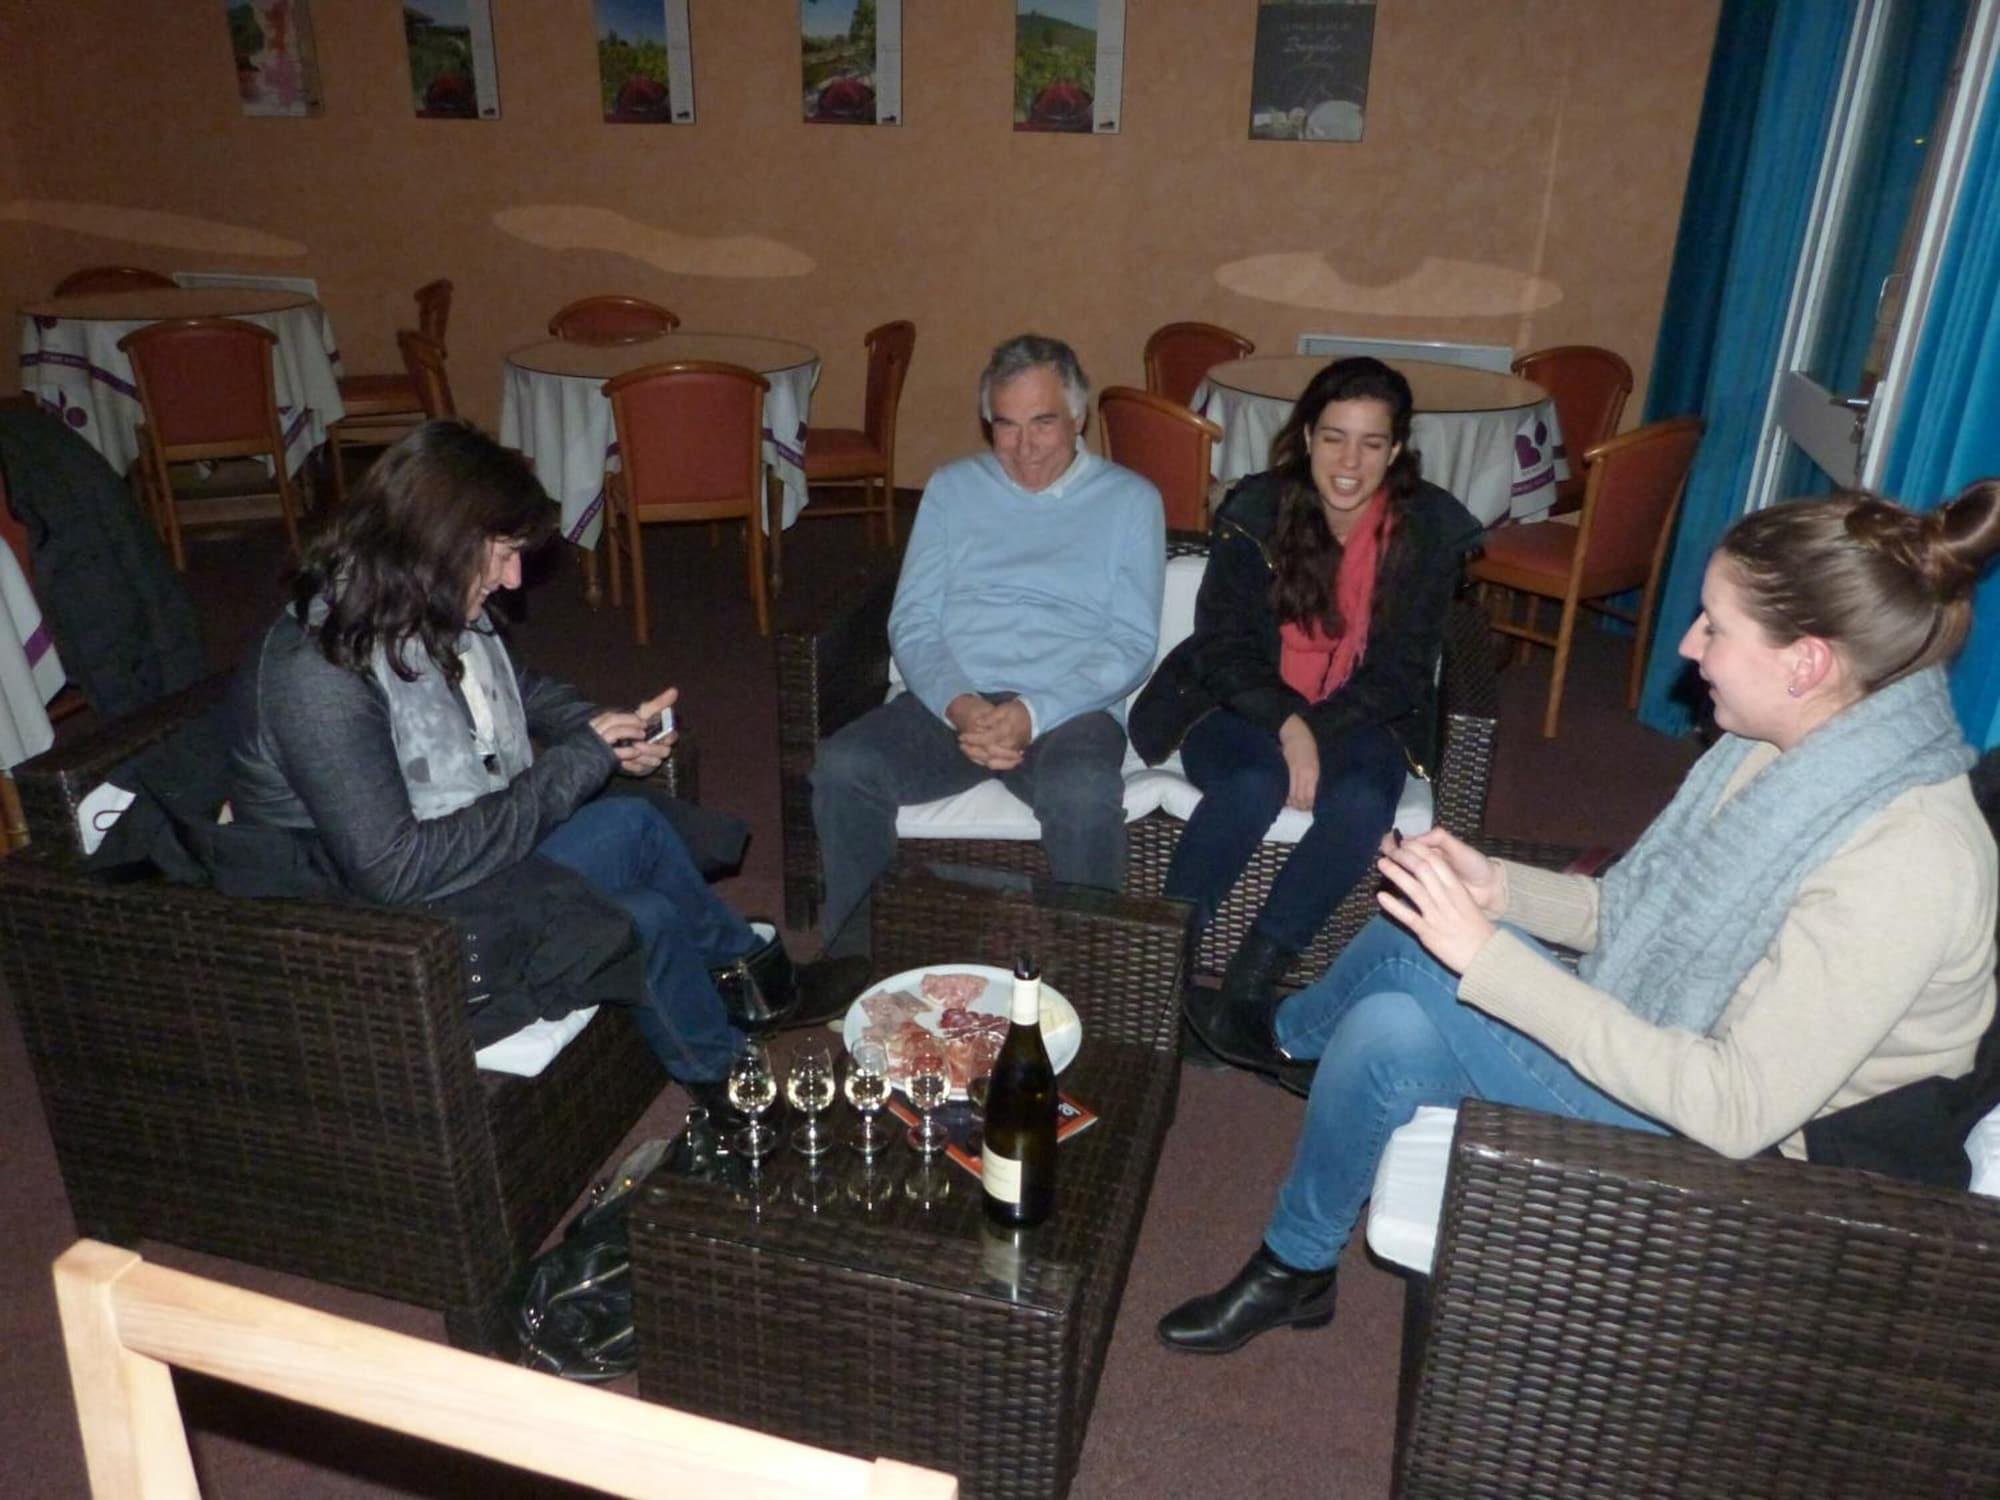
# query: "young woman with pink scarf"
[[1309, 680]]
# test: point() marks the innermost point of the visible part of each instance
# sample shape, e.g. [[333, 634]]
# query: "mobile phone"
[[662, 725]]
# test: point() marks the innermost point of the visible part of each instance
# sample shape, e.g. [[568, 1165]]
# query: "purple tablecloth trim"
[[1534, 482], [78, 362], [37, 645], [583, 522]]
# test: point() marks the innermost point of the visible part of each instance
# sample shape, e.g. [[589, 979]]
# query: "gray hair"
[[1029, 351]]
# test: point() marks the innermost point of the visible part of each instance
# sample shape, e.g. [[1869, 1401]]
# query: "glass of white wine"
[[809, 1086], [928, 1084], [868, 1091], [753, 1088]]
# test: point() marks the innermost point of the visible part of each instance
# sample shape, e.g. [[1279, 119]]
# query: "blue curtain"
[[1949, 431], [1756, 160]]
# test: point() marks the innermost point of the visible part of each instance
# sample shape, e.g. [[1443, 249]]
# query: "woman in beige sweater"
[[1809, 924]]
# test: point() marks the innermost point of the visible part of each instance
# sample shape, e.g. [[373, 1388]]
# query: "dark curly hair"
[[1305, 553], [399, 562]]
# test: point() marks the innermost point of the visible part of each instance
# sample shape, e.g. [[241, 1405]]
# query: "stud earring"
[[1792, 691]]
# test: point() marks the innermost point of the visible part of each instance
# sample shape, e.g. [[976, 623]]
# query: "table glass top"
[[151, 304], [602, 361], [1437, 388]]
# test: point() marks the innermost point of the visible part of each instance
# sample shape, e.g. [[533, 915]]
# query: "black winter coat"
[[1231, 659]]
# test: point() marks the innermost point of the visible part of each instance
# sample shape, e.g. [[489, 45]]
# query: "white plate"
[[1062, 1031]]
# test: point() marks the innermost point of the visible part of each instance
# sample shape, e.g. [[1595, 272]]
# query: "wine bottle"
[[1017, 1167]]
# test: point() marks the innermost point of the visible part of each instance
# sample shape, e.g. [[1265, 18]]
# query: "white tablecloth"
[[30, 673], [1500, 462], [553, 409], [71, 361]]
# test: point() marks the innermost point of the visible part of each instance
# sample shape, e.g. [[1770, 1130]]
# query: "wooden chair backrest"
[[110, 279], [1165, 442], [689, 433], [1636, 483], [1179, 355], [206, 383], [889, 349], [126, 1325], [423, 358], [612, 320], [1589, 386], [434, 310]]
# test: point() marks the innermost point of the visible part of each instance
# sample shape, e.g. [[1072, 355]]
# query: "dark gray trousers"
[[902, 753]]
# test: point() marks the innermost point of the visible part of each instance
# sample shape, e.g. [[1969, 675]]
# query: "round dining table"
[[71, 362], [1491, 440], [553, 408]]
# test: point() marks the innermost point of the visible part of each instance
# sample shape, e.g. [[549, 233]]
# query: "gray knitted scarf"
[[1684, 916]]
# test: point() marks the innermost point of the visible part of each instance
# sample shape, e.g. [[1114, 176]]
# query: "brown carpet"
[[1295, 1414]]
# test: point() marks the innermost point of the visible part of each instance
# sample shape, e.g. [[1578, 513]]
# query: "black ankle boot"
[[827, 986], [1265, 1294], [1235, 1021]]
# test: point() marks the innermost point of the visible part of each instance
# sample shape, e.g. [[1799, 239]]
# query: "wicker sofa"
[[832, 670], [290, 1084], [1617, 1314]]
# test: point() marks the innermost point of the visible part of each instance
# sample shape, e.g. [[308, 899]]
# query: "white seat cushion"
[[1409, 1190], [1983, 1146], [526, 1052]]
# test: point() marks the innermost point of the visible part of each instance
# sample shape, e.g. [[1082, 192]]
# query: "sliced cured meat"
[[888, 1010], [954, 991], [971, 1023], [969, 1054]]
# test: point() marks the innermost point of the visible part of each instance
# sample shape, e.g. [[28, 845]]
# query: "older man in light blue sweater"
[[1028, 609]]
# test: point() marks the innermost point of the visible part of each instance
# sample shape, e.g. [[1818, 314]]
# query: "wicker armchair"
[[834, 670], [288, 1083], [1618, 1314]]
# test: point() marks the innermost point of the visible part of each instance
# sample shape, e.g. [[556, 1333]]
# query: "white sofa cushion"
[[1408, 1199], [526, 1052], [990, 811]]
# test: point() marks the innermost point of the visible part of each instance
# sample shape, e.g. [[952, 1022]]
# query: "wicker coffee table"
[[879, 1324]]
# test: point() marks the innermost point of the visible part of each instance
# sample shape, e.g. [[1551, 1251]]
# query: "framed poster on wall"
[[643, 64], [1069, 65], [453, 72], [277, 69], [1309, 76], [851, 57]]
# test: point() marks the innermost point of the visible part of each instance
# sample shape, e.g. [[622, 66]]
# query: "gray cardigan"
[[310, 748]]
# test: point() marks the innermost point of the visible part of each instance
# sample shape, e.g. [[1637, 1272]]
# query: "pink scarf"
[[1312, 665]]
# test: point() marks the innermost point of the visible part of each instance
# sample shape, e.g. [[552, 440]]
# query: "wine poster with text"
[[1309, 76], [454, 74], [277, 68], [645, 71]]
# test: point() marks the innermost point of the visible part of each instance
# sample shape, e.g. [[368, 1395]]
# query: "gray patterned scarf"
[[1686, 914], [450, 757]]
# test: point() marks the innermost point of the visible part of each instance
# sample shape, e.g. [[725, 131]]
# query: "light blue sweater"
[[1054, 595]]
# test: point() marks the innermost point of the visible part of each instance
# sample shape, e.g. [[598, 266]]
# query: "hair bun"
[[1961, 537]]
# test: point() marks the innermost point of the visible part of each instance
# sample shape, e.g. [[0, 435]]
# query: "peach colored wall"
[[1518, 153]]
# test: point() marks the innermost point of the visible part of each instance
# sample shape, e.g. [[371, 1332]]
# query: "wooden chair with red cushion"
[[1165, 442], [209, 393], [1179, 355], [867, 456], [1618, 543], [383, 407], [612, 320], [110, 279], [1589, 386], [690, 448]]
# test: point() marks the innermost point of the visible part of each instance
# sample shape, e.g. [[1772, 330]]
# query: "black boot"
[[1265, 1294], [1235, 1021]]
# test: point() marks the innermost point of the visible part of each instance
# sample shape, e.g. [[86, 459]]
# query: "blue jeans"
[[902, 753], [1391, 1034], [1243, 780], [628, 850]]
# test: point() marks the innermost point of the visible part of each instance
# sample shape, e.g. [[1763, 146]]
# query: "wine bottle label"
[[1000, 1175]]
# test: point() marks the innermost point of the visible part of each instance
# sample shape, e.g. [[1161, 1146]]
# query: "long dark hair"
[[399, 562], [1892, 588], [1304, 552]]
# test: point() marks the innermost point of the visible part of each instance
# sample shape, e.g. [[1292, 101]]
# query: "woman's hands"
[[625, 730], [1301, 752], [1450, 894]]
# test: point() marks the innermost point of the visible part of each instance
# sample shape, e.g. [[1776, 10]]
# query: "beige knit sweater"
[[1881, 974]]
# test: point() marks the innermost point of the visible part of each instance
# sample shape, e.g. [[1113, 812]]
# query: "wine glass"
[[809, 1086], [753, 1088], [868, 1091], [928, 1083]]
